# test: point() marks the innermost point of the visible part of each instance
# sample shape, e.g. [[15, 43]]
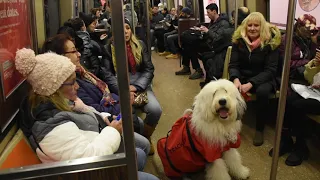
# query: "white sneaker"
[[152, 48]]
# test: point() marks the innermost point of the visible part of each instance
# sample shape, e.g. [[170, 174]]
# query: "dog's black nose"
[[222, 102]]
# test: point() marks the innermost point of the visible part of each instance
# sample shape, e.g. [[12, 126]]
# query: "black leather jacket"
[[141, 79]]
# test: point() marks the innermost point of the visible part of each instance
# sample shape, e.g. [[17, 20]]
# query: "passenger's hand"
[[103, 36], [204, 29], [79, 105], [117, 125], [133, 89], [106, 120], [237, 83], [132, 96], [316, 86], [246, 87]]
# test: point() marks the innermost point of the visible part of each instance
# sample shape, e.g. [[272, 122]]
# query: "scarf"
[[251, 45], [131, 59], [102, 86], [254, 44]]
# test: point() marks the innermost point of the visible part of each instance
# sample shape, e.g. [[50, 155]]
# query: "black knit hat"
[[87, 18], [186, 10], [127, 21]]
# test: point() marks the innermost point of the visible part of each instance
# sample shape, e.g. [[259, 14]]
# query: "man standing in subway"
[[204, 39]]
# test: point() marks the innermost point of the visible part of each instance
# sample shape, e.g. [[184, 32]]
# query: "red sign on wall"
[[14, 34]]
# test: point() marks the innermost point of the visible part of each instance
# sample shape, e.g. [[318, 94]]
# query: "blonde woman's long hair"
[[136, 50], [57, 99], [265, 34]]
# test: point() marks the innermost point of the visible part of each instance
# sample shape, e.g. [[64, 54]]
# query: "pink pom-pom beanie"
[[45, 72]]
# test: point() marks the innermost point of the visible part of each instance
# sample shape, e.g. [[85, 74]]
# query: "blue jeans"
[[141, 161], [152, 109], [142, 143]]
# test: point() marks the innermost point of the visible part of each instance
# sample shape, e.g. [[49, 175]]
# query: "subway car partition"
[[113, 167]]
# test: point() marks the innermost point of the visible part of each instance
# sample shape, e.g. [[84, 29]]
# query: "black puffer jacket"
[[216, 37], [141, 79]]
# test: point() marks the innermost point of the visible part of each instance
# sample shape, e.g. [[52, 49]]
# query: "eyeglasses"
[[71, 52], [70, 83]]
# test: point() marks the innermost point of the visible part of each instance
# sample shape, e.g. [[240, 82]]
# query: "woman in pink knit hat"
[[62, 131], [58, 130]]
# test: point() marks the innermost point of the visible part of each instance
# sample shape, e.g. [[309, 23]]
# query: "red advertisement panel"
[[14, 34]]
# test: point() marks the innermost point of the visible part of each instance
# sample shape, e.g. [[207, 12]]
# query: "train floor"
[[176, 93]]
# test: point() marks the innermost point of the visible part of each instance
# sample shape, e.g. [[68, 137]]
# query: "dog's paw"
[[242, 173]]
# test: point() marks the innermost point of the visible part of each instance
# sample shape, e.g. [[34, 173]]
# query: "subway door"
[[52, 17]]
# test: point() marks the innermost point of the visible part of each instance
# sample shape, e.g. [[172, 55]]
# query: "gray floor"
[[176, 93]]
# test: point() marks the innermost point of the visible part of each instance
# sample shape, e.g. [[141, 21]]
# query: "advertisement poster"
[[279, 11], [14, 34], [205, 4]]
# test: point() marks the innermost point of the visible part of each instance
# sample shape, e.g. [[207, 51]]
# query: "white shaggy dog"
[[216, 118]]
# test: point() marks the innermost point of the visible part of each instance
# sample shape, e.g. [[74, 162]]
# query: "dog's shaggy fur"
[[216, 117]]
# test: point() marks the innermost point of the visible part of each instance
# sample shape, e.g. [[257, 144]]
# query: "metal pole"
[[148, 40], [236, 14], [284, 88], [132, 17], [123, 82]]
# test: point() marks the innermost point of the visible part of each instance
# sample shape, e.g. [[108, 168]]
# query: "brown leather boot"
[[147, 132]]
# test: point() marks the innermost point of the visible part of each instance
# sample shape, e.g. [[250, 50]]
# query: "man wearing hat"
[[185, 12]]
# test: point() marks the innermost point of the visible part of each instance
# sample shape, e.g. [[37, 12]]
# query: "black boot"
[[286, 144], [197, 75], [184, 71], [300, 152]]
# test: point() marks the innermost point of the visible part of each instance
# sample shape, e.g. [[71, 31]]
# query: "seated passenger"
[[169, 23], [214, 65], [89, 59], [243, 12], [253, 64], [60, 131], [208, 39], [171, 38], [297, 108], [303, 48], [141, 75], [156, 16], [92, 91], [93, 55]]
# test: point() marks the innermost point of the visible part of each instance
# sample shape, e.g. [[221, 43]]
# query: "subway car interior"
[[160, 89]]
